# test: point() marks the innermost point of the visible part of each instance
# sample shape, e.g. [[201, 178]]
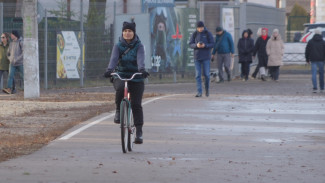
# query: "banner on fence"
[[68, 59], [171, 29]]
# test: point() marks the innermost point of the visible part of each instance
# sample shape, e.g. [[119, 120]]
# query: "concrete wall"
[[320, 11]]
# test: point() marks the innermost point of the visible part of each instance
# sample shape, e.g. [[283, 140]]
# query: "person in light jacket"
[[275, 50], [4, 61], [16, 58]]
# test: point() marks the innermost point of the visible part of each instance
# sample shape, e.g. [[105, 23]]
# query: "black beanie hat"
[[200, 24], [218, 29], [15, 33], [128, 25]]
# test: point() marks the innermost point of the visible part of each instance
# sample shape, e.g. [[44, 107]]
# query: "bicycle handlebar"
[[116, 74]]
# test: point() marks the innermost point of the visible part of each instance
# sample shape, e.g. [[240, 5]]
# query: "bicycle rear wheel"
[[132, 131], [123, 122]]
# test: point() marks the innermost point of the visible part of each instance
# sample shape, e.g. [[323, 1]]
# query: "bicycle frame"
[[126, 140]]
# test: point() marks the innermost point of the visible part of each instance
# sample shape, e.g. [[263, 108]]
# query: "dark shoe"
[[263, 78], [229, 78], [206, 93], [198, 95], [221, 81], [117, 117], [13, 91], [7, 90], [314, 90], [138, 137]]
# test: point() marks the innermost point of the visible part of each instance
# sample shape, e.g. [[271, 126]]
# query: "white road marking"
[[68, 136]]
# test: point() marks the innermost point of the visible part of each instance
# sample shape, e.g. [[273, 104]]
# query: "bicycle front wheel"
[[124, 122], [132, 131]]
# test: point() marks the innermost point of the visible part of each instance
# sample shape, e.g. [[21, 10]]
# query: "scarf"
[[264, 37]]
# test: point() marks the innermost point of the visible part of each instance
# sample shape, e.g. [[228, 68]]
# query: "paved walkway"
[[223, 138]]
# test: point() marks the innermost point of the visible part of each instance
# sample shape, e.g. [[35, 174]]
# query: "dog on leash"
[[213, 76]]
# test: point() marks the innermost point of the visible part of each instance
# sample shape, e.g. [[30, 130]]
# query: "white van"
[[311, 32]]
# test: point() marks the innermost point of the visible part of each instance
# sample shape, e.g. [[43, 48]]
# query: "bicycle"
[[128, 130]]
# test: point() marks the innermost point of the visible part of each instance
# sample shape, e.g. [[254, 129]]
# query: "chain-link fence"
[[60, 28]]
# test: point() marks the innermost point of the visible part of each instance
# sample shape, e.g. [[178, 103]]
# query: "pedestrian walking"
[[257, 69], [224, 46], [15, 55], [245, 48], [4, 61], [250, 35], [275, 51], [202, 43], [128, 58], [315, 55], [260, 50]]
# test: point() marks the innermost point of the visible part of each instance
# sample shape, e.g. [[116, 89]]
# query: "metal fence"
[[295, 27], [98, 25]]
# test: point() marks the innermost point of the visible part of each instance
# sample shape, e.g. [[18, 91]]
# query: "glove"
[[145, 74], [108, 74], [212, 58]]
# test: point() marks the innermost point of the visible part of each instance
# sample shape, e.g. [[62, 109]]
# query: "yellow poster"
[[69, 55]]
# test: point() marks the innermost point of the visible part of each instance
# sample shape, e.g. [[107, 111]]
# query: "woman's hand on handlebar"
[[145, 74], [108, 74]]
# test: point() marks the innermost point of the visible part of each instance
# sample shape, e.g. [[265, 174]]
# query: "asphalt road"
[[237, 136]]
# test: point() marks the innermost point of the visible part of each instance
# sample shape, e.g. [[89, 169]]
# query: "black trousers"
[[136, 92], [262, 62], [245, 69], [275, 72]]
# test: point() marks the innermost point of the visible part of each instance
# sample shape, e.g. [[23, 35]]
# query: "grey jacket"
[[15, 52]]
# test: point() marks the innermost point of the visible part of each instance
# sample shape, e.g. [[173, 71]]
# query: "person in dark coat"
[[202, 42], [315, 55], [245, 49], [260, 50]]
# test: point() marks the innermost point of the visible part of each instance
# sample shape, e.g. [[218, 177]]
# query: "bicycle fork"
[[127, 96]]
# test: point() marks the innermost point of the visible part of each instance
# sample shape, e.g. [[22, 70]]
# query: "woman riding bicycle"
[[128, 58]]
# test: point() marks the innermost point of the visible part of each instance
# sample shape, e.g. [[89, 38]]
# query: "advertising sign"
[[68, 59], [171, 30], [157, 3], [228, 22]]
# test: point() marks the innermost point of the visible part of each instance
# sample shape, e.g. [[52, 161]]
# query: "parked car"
[[309, 26], [306, 37]]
